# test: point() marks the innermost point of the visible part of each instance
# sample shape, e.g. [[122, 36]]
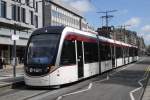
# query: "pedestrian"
[[1, 64], [4, 63]]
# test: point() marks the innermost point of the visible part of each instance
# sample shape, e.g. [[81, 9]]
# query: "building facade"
[[141, 46], [125, 36], [85, 26], [20, 16], [58, 13], [24, 16]]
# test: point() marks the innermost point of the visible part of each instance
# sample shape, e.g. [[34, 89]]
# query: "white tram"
[[58, 55]]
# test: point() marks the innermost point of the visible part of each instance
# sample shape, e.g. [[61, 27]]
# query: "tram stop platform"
[[7, 78]]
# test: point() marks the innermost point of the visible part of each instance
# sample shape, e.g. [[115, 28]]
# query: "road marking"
[[40, 96], [121, 69], [145, 76], [107, 77], [89, 87], [129, 65]]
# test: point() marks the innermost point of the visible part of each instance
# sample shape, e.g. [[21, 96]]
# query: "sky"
[[135, 13]]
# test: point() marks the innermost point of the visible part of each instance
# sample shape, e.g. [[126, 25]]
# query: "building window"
[[33, 3], [36, 9], [14, 12], [23, 13], [27, 2], [18, 17], [36, 21], [17, 1], [3, 9], [31, 15]]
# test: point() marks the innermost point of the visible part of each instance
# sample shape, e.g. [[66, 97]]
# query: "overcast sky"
[[130, 12]]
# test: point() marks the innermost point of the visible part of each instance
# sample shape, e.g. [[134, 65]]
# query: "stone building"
[[23, 16]]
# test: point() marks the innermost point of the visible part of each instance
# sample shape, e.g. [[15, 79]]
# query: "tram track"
[[35, 95], [25, 93]]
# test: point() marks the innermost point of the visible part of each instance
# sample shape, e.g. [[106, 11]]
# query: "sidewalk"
[[6, 75], [11, 67], [146, 95]]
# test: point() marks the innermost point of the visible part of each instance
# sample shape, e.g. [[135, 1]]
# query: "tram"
[[58, 55]]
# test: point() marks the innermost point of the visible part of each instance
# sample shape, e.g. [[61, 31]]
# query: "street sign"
[[15, 37]]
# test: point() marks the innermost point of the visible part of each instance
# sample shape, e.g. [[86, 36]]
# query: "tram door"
[[80, 59]]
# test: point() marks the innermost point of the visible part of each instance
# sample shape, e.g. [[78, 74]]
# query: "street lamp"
[[16, 37], [14, 52]]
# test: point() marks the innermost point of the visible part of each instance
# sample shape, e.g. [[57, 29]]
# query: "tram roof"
[[49, 30], [104, 39], [60, 29]]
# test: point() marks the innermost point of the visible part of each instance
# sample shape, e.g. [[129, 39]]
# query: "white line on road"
[[126, 67], [89, 87], [141, 85], [120, 70], [40, 96]]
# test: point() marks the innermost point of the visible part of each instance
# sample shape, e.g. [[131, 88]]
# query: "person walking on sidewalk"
[[4, 63], [1, 64]]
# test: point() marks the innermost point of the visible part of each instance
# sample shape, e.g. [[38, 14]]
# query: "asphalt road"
[[122, 84]]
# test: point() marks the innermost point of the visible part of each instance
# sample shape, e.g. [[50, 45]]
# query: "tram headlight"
[[46, 69], [31, 70], [26, 69]]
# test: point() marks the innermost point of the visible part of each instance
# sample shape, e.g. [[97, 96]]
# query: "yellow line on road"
[[146, 73], [147, 69]]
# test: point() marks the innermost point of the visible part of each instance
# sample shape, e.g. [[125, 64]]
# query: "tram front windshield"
[[42, 49]]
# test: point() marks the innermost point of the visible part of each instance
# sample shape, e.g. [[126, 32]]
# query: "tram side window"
[[90, 52], [108, 52], [125, 52], [102, 52], [130, 52], [133, 52], [68, 55], [136, 52], [119, 52], [105, 52]]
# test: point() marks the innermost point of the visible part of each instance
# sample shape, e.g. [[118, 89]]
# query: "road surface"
[[124, 83]]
